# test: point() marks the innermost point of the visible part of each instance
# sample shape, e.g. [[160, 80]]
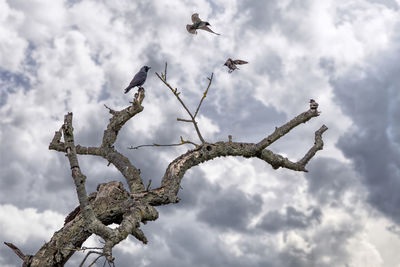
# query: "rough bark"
[[112, 203]]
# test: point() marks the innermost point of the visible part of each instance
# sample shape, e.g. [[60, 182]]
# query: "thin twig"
[[87, 255], [165, 72], [113, 112], [82, 248], [179, 119], [136, 147], [85, 248], [204, 94], [176, 93], [98, 257], [158, 145], [16, 250], [148, 185]]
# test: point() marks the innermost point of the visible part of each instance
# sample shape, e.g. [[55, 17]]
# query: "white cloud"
[[364, 254], [12, 45], [90, 50], [22, 225], [42, 19]]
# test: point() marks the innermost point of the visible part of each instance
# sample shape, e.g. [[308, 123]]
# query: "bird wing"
[[195, 18], [138, 79], [208, 29], [190, 29], [240, 62]]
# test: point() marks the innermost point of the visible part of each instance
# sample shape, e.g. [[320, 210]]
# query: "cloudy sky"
[[60, 56]]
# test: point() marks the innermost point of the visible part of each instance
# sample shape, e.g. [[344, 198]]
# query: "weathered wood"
[[113, 204]]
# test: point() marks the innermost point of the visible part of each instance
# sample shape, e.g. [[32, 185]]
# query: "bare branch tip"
[[16, 251], [148, 186]]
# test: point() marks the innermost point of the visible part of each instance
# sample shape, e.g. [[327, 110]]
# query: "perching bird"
[[138, 79], [231, 64], [313, 104], [198, 24]]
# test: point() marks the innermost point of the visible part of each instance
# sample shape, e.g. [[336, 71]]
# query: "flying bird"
[[138, 79], [198, 24], [231, 64]]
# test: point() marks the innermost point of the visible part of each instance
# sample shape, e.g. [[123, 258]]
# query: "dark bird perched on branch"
[[138, 79], [198, 24], [231, 64]]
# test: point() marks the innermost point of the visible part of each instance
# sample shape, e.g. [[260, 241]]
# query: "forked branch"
[[136, 211], [26, 259], [113, 204], [107, 149], [176, 170], [163, 78]]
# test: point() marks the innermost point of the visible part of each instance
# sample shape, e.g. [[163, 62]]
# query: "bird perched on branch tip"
[[198, 24], [231, 64], [138, 79], [313, 104]]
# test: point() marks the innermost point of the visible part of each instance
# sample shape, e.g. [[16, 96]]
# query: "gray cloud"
[[371, 100], [9, 81], [275, 221], [261, 14], [228, 208], [329, 180], [264, 15], [128, 35], [394, 229], [246, 118], [388, 3]]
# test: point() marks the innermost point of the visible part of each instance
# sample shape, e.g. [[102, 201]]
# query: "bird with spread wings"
[[198, 24], [231, 64]]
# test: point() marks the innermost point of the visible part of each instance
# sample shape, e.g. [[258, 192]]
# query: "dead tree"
[[112, 203]]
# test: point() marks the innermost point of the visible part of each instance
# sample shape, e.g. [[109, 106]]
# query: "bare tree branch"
[[112, 112], [122, 163], [165, 71], [87, 256], [177, 168], [113, 204], [129, 224], [184, 120], [25, 258], [183, 142], [93, 224], [100, 255], [318, 145], [204, 94], [284, 129], [170, 183], [107, 150], [77, 175], [176, 93]]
